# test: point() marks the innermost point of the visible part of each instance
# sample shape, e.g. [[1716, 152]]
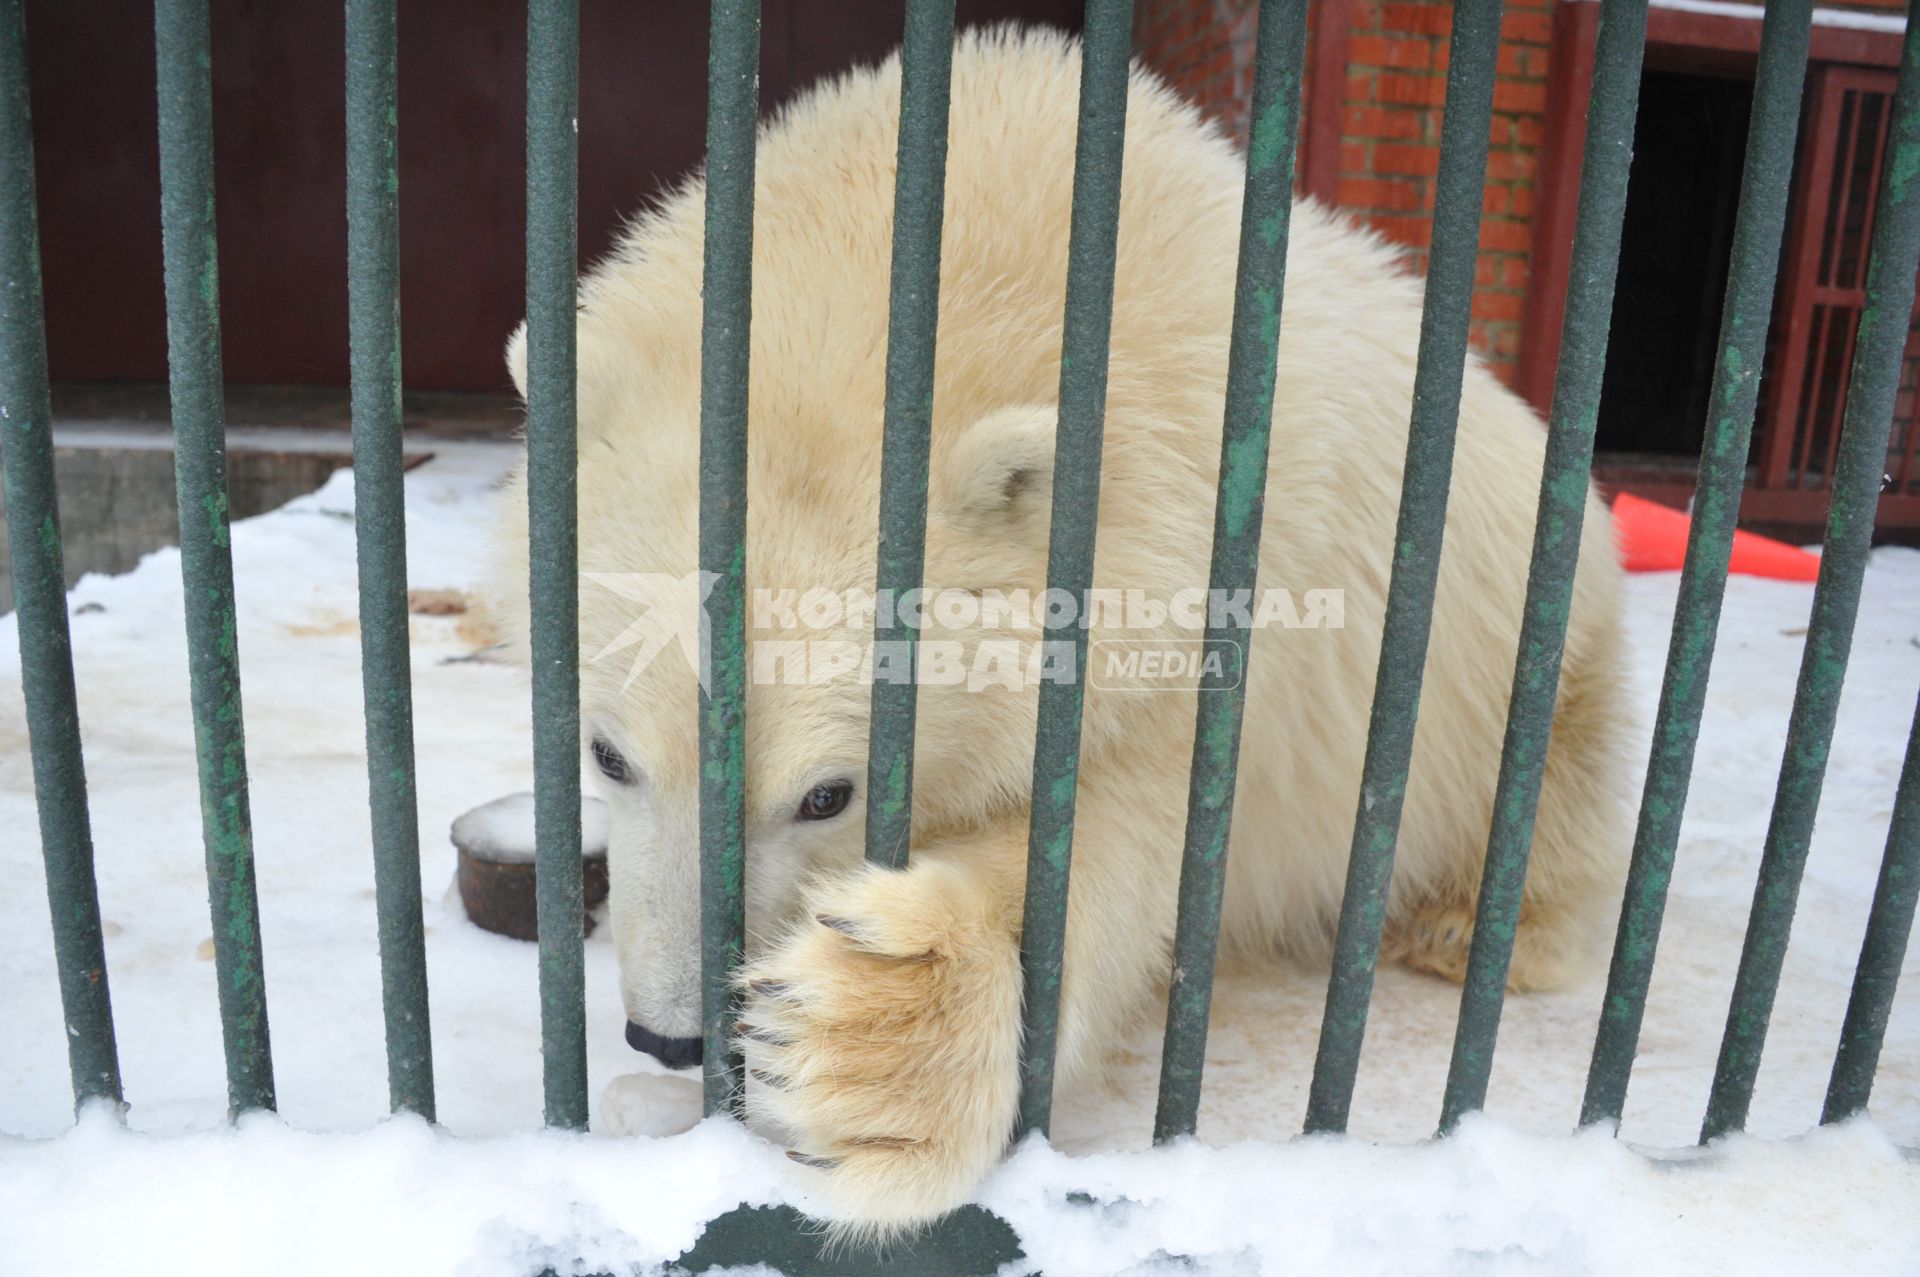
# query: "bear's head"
[[812, 514]]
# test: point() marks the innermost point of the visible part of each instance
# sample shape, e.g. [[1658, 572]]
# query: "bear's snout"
[[675, 1053]]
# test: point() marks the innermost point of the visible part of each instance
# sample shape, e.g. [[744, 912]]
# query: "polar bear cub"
[[882, 1014]]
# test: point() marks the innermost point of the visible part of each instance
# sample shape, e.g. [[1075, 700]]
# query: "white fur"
[[895, 1046]]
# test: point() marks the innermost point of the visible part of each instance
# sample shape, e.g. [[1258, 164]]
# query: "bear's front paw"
[[884, 1035]]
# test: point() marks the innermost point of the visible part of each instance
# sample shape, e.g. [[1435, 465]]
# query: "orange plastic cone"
[[1653, 538]]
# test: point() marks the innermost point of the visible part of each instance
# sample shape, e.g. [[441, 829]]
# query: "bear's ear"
[[600, 372], [999, 470], [517, 359]]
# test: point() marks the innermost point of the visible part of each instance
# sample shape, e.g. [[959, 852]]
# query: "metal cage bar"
[[1416, 556], [1564, 489], [1758, 227], [1266, 211], [733, 101], [185, 84], [1889, 923], [380, 542], [919, 200], [1091, 239], [1855, 482], [40, 595], [553, 162]]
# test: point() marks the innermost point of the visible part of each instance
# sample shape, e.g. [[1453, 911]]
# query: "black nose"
[[675, 1053]]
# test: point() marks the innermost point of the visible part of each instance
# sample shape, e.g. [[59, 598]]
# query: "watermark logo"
[[1214, 665], [665, 609], [1137, 640]]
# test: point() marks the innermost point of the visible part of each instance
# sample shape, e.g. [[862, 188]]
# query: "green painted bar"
[[1889, 923], [380, 535], [1416, 559], [185, 83], [1093, 231], [1265, 212], [733, 103], [40, 595], [919, 194], [1612, 106], [1759, 224], [1878, 352], [553, 94]]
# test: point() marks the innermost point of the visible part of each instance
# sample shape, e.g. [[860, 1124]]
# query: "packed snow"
[[332, 1185]]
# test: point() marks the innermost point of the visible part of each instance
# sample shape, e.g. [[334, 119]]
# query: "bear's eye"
[[824, 802], [612, 764]]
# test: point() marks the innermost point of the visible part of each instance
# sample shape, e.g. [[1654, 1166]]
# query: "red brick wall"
[[1206, 48], [1389, 130], [1390, 145], [1389, 127]]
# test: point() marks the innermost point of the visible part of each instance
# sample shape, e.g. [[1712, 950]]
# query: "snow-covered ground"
[[1514, 1194]]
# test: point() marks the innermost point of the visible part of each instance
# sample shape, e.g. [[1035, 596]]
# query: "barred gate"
[[971, 1240]]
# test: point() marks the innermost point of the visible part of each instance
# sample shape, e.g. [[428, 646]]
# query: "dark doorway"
[[1687, 153]]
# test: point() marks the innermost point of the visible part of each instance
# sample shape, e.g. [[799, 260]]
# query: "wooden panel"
[[280, 148]]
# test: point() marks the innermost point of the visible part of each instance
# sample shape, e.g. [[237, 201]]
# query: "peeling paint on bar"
[[1758, 227], [380, 538], [40, 596], [733, 101], [1265, 212], [553, 96], [1613, 105], [1889, 923], [1076, 498], [1416, 560], [185, 84], [926, 73], [1879, 348]]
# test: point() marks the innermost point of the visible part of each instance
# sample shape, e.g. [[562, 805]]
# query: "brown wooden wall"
[[280, 146]]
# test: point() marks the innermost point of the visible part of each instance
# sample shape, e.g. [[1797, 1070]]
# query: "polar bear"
[[882, 1020]]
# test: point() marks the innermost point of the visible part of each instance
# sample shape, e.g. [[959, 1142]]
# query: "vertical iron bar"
[[1883, 949], [1611, 109], [1855, 483], [1416, 557], [919, 199], [185, 84], [380, 538], [553, 95], [1091, 242], [1758, 227], [40, 595], [1265, 213], [733, 100]]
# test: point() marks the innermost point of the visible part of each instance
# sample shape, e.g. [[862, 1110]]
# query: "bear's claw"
[[899, 1077], [817, 1163]]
